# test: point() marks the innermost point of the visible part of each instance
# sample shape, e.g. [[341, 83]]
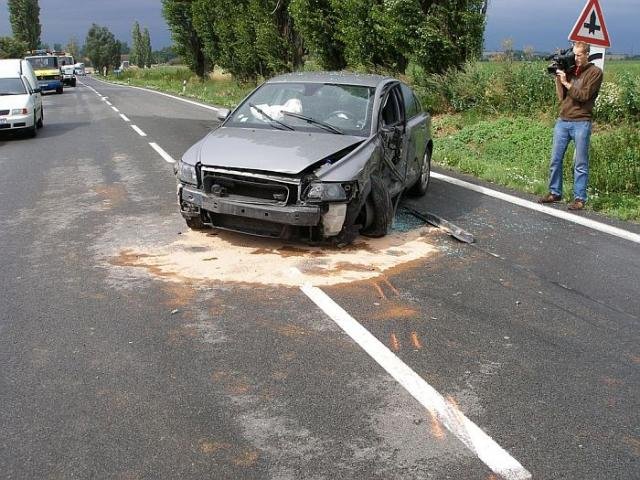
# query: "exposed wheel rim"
[[426, 170]]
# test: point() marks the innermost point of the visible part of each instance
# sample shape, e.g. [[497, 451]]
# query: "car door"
[[415, 133], [391, 124]]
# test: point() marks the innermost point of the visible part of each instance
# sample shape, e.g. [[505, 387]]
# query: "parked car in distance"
[[317, 157], [20, 97]]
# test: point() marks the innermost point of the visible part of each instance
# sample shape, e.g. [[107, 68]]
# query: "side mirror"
[[38, 90], [223, 113]]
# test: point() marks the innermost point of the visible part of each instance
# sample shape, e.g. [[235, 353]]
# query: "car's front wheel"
[[379, 210], [422, 184], [195, 223], [40, 123], [33, 130]]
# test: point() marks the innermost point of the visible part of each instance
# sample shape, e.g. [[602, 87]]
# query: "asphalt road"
[[120, 361]]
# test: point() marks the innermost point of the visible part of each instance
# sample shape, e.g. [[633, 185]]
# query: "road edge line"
[[585, 222]]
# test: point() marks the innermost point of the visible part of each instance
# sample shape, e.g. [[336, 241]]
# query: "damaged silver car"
[[316, 157]]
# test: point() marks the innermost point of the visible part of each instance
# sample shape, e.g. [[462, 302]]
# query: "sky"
[[542, 24]]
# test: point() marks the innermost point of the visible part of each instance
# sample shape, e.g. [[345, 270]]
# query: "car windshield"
[[43, 62], [320, 107], [12, 86], [65, 61]]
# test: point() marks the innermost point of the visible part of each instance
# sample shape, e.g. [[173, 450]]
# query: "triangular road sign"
[[590, 27]]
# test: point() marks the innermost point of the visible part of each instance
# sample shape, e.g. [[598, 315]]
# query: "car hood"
[[271, 150]]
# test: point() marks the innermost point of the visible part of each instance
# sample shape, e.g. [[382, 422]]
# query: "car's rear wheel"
[[380, 210], [59, 90], [422, 184], [73, 82], [40, 123]]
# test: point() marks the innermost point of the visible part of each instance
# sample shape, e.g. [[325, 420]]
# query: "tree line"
[[251, 38]]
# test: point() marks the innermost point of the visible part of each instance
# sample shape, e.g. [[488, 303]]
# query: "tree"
[[248, 38], [102, 49], [73, 49], [317, 23], [24, 16], [386, 35], [12, 48], [146, 49], [188, 44], [448, 34], [135, 55], [164, 55]]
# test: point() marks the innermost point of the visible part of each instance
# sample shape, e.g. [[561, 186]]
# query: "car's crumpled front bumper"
[[296, 215]]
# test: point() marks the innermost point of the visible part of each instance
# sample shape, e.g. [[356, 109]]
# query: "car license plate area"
[[251, 190]]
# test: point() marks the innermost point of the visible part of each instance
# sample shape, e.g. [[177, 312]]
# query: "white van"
[[20, 97]]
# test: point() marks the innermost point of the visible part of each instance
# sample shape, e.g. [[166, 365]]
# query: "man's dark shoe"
[[550, 198], [577, 204]]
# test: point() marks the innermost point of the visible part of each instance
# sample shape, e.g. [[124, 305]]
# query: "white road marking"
[[115, 109], [487, 450], [140, 132], [162, 153], [124, 117], [107, 102], [585, 222]]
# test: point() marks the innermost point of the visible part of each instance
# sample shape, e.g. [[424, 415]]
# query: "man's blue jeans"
[[563, 133]]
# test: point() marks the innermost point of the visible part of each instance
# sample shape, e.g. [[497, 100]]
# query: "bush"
[[615, 161]]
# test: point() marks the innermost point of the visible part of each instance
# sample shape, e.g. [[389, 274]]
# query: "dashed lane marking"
[[115, 109], [138, 131], [446, 412], [585, 222], [162, 153], [124, 117]]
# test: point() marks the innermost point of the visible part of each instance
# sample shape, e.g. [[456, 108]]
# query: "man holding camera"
[[577, 90]]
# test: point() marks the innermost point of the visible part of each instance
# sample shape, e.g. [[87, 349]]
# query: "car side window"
[[411, 105], [391, 113]]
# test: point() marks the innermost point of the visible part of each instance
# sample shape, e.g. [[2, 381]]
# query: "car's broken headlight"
[[327, 192], [187, 173]]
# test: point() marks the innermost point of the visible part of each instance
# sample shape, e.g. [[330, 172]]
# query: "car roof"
[[340, 78]]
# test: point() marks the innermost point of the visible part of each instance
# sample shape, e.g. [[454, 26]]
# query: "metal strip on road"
[[585, 222], [168, 158], [476, 440]]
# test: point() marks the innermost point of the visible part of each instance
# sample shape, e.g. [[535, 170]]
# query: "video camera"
[[564, 60]]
